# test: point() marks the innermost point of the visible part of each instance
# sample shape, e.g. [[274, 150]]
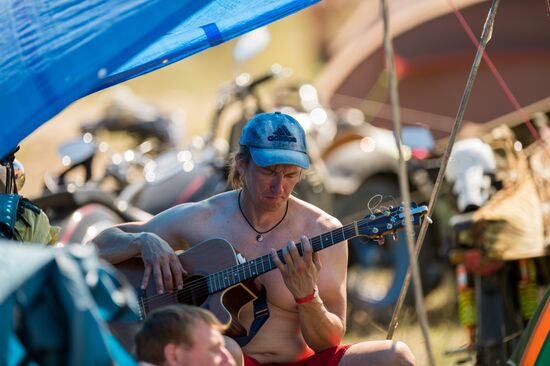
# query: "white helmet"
[[470, 163]]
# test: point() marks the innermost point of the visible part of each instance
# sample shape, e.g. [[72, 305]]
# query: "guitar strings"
[[194, 286], [202, 283]]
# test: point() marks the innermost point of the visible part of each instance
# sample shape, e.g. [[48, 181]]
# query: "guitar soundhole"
[[194, 292]]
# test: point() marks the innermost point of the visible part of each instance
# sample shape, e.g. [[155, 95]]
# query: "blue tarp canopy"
[[53, 52]]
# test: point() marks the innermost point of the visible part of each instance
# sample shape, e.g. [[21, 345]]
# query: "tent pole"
[[485, 37], [404, 183]]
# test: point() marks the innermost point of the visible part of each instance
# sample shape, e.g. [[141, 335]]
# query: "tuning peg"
[[389, 226], [380, 240], [429, 219], [394, 236], [375, 230]]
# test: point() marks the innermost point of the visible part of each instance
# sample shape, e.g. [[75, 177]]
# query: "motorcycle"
[[201, 170], [497, 286], [83, 211], [144, 183], [83, 205]]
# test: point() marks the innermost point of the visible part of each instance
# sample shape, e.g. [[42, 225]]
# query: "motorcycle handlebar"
[[262, 79], [239, 89]]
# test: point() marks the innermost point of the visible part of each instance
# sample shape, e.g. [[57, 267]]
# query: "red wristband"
[[307, 298]]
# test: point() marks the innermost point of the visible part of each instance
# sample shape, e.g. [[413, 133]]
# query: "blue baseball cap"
[[275, 138]]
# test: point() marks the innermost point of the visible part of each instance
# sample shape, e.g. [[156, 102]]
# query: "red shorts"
[[329, 357]]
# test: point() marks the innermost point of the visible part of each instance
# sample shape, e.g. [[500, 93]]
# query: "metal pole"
[[485, 37], [404, 184]]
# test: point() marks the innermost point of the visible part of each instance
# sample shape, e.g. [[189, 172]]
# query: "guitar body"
[[208, 257]]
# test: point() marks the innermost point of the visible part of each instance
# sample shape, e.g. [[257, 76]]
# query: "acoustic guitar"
[[217, 281]]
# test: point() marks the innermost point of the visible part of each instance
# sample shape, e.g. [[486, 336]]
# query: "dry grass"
[[445, 333]]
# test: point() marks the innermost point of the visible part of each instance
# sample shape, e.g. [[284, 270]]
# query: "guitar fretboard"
[[255, 267], [374, 225]]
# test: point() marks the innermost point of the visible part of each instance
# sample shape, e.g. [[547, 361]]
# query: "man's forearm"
[[321, 328], [115, 245]]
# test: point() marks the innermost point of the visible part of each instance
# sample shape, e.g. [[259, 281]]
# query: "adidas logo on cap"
[[282, 134]]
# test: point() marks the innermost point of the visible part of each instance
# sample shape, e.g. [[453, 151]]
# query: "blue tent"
[[53, 52]]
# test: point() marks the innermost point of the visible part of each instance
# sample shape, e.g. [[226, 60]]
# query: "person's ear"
[[240, 166], [172, 354]]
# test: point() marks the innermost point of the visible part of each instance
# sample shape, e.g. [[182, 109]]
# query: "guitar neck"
[[224, 279], [373, 226]]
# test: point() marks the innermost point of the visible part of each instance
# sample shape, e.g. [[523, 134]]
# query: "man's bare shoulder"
[[203, 209], [315, 216], [189, 221]]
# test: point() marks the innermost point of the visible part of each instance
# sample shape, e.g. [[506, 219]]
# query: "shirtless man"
[[306, 296]]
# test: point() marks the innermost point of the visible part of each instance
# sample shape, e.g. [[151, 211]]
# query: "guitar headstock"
[[389, 220]]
